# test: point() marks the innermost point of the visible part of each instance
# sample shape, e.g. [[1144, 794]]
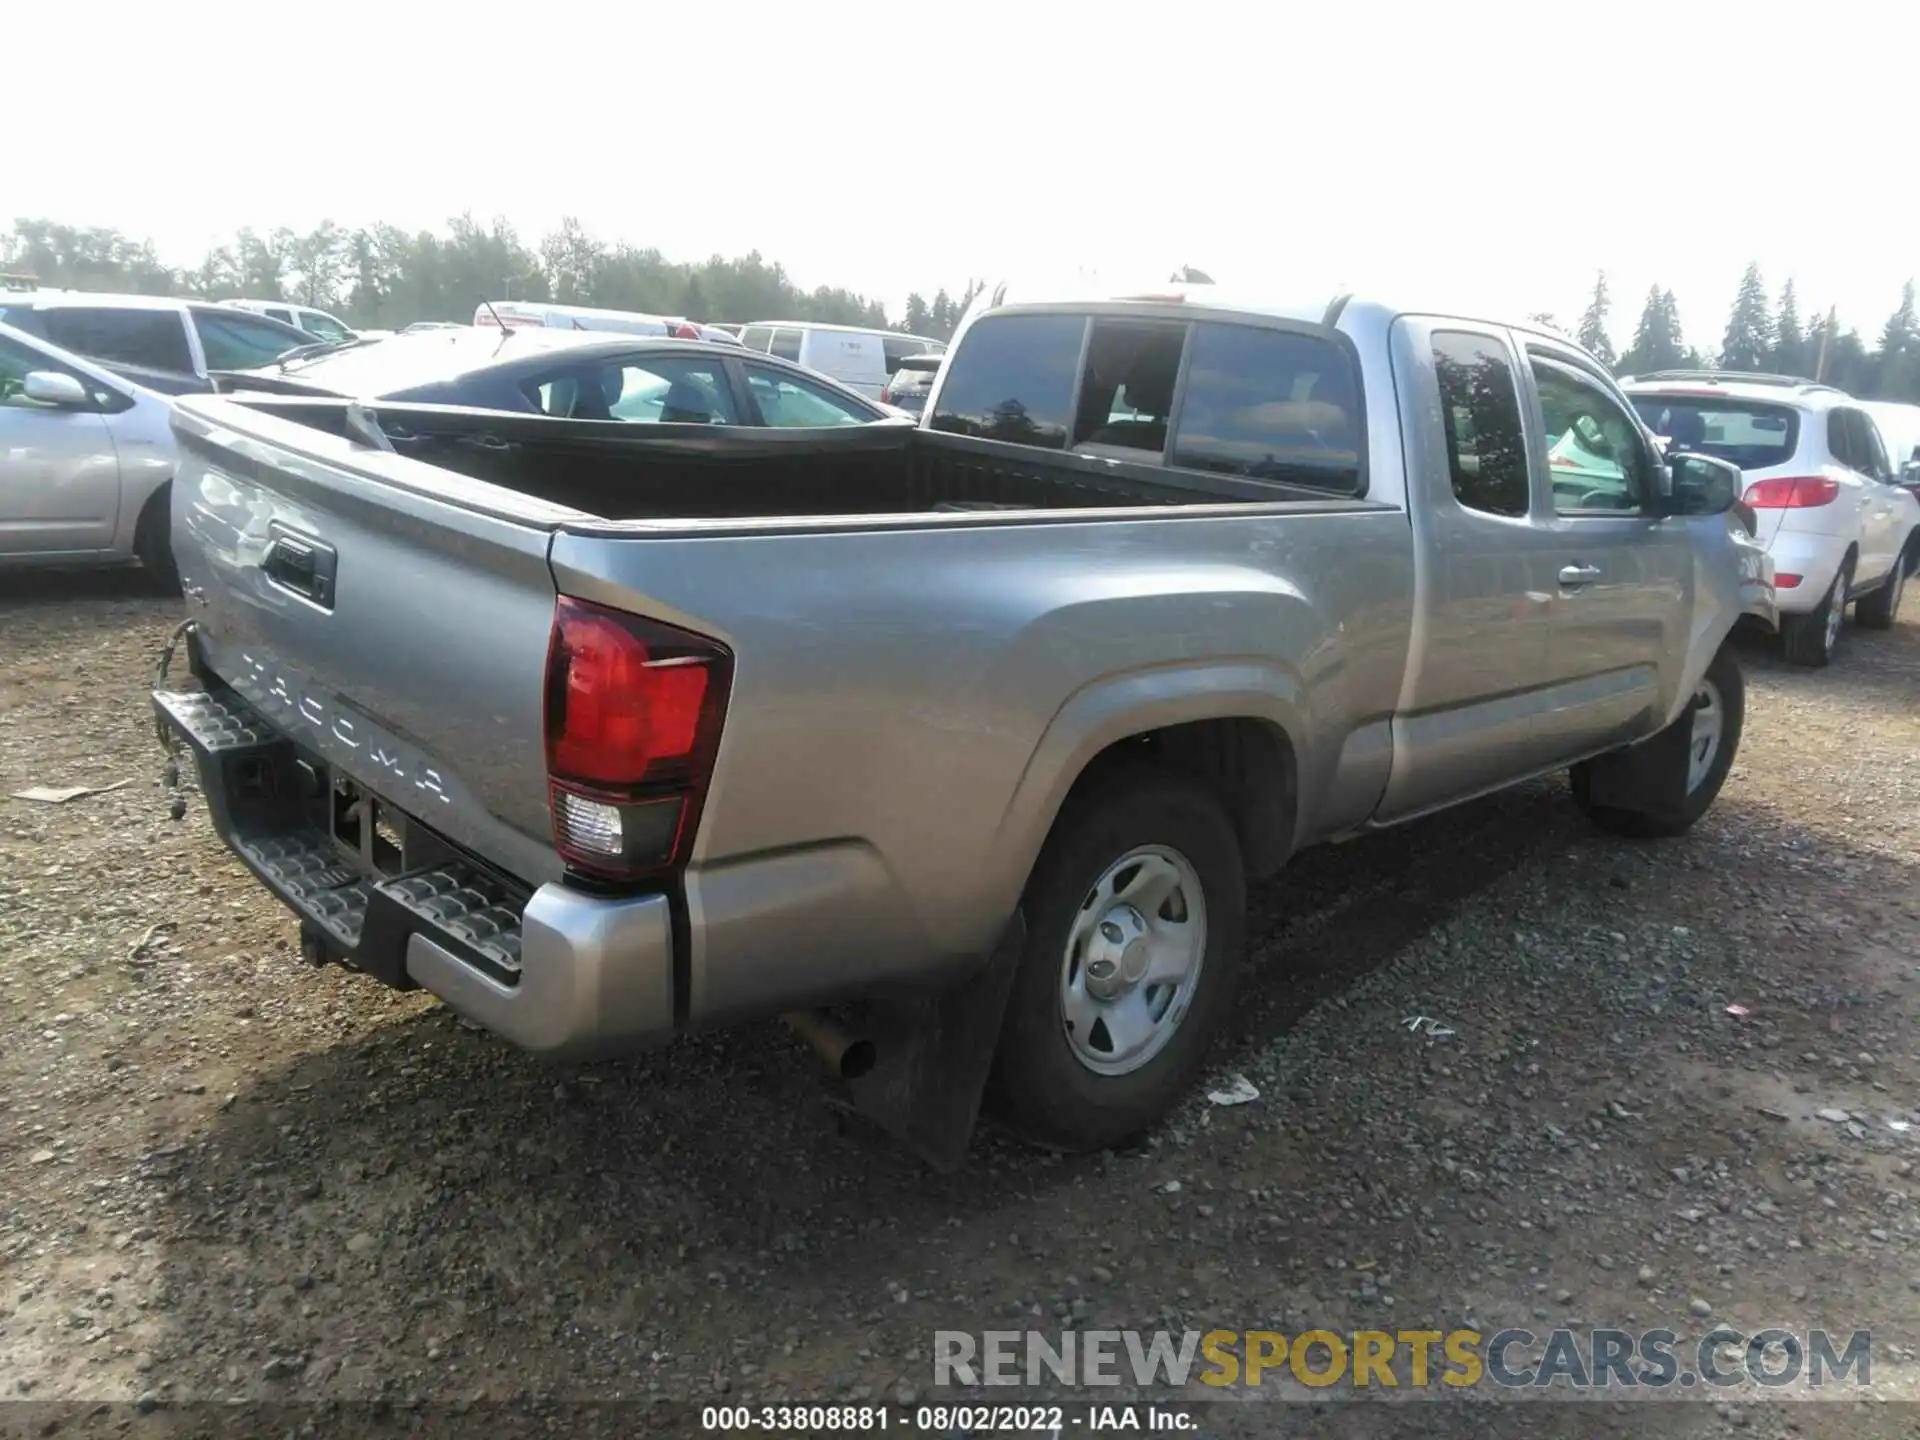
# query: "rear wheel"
[[1810, 639], [1135, 912], [153, 539], [1879, 610]]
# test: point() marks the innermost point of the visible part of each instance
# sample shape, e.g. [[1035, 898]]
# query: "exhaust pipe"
[[847, 1055]]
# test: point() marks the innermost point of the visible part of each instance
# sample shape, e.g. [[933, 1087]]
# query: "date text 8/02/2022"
[[1601, 1358], [943, 1419]]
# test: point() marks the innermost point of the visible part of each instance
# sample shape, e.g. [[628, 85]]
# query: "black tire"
[[1879, 610], [1039, 1086], [153, 540], [1810, 639], [1647, 797]]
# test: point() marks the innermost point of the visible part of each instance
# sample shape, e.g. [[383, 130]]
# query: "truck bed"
[[617, 471]]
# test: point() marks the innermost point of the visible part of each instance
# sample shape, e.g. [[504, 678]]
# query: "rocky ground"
[[227, 1177]]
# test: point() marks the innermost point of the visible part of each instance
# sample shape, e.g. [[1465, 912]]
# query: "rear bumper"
[[557, 971], [1814, 558]]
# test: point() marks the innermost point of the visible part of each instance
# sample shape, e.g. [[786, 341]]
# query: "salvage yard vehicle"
[[169, 346], [574, 374], [1840, 527], [959, 743], [85, 459]]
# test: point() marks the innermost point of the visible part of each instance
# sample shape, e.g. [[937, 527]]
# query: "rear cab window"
[[1751, 433], [1258, 402]]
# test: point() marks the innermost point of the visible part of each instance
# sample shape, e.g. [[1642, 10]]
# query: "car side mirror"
[[51, 387], [1702, 485], [1910, 473]]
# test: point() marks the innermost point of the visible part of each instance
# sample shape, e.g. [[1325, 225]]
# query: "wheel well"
[[156, 503], [1247, 763]]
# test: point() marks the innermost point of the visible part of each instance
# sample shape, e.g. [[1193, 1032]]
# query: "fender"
[[1118, 706]]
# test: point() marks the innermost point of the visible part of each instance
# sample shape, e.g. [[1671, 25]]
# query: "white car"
[[86, 462], [1839, 529], [317, 323], [860, 359]]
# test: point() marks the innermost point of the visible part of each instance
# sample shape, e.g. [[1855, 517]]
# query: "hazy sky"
[[1482, 155]]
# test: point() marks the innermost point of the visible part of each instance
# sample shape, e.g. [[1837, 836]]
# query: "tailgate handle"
[[301, 564]]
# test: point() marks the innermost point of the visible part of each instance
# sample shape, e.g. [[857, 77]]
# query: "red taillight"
[[685, 331], [886, 395], [1785, 582], [633, 715], [1792, 492]]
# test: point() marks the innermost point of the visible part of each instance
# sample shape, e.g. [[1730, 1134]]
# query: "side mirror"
[[1703, 485], [51, 387], [1910, 473]]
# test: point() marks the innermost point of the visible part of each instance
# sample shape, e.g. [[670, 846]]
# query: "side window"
[[18, 361], [1480, 411], [1870, 455], [646, 390], [1595, 457], [898, 350], [1013, 380], [323, 326], [1126, 397], [785, 345], [1270, 405], [1840, 439], [787, 402], [756, 337], [152, 338], [239, 342], [280, 313]]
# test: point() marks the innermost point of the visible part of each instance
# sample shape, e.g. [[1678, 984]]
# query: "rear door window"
[[643, 390], [786, 344], [1014, 379], [1270, 405], [898, 350], [757, 337], [1480, 413], [1870, 456], [155, 339]]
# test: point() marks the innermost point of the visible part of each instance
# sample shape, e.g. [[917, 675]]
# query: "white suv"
[[1817, 479]]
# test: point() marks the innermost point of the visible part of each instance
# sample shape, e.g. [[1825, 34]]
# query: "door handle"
[[1579, 574]]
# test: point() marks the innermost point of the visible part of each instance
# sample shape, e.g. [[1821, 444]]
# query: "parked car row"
[[1838, 513], [954, 743]]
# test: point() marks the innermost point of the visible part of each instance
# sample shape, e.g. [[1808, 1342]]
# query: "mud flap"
[[934, 1055], [1650, 776]]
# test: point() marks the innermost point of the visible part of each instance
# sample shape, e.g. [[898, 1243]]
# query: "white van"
[[859, 359], [515, 314]]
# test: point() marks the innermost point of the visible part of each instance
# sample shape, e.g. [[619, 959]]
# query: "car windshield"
[[1752, 434], [317, 323]]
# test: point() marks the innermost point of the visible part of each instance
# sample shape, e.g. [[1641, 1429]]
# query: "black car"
[[569, 374], [912, 378]]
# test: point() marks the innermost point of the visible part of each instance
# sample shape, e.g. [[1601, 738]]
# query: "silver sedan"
[[85, 462]]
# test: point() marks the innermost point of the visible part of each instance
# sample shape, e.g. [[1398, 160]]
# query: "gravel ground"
[[227, 1177]]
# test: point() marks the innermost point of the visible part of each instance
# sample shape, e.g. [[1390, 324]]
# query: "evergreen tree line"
[[1764, 336], [382, 277]]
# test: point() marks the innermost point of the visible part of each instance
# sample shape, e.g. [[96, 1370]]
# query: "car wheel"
[[153, 540], [1879, 610], [1663, 790], [1810, 639], [1135, 911]]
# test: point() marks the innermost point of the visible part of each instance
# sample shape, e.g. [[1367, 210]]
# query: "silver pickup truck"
[[956, 744]]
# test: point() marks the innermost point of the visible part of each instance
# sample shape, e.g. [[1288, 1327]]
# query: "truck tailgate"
[[390, 616]]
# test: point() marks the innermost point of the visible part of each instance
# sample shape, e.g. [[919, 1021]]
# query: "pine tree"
[[1593, 324], [1656, 339], [1749, 338], [1898, 363], [1789, 343]]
